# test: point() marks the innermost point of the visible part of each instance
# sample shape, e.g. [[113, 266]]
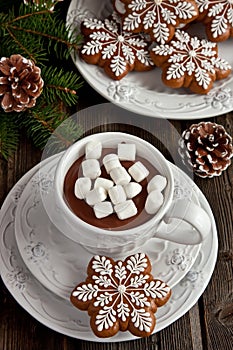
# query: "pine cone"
[[206, 149], [20, 83], [47, 4]]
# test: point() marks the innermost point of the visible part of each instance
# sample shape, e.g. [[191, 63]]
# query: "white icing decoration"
[[86, 292], [122, 291], [221, 14], [137, 263], [120, 272], [103, 299], [123, 311], [115, 45], [138, 281], [102, 265], [157, 15], [105, 318], [156, 289], [192, 56], [141, 319]]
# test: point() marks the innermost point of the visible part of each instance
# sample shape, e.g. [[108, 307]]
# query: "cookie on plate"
[[158, 18], [217, 15], [117, 51], [121, 295], [190, 62]]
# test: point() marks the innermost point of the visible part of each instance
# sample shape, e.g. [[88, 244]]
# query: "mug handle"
[[177, 230]]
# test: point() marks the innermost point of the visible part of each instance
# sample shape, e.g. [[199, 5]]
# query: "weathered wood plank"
[[178, 336]]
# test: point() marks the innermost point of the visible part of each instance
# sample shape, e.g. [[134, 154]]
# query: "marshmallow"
[[153, 202], [82, 186], [103, 209], [132, 189], [126, 151], [111, 161], [138, 171], [126, 209], [158, 182], [120, 176], [102, 182], [91, 168], [117, 194], [93, 150], [96, 195]]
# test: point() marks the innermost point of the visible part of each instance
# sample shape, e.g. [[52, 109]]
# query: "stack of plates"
[[40, 266], [144, 92]]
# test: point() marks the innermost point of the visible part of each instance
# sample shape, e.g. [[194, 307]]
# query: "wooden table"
[[208, 325]]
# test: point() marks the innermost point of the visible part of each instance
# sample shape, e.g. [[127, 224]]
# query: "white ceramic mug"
[[103, 241]]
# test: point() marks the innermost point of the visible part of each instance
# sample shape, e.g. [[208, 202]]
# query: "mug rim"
[[73, 217]]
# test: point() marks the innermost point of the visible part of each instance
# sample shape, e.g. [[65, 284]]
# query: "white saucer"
[[57, 313], [59, 263], [143, 92]]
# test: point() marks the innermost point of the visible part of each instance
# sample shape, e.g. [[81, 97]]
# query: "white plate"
[[144, 93], [57, 313], [60, 264]]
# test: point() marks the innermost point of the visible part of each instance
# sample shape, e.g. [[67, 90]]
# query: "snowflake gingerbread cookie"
[[121, 295], [217, 15], [158, 18], [108, 46], [190, 62]]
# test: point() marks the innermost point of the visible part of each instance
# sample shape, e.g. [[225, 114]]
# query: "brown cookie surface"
[[158, 18], [217, 15], [190, 62], [121, 295], [117, 51]]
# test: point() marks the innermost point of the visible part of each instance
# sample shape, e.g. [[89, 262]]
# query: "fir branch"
[[24, 49], [38, 34], [30, 14], [18, 42], [60, 85], [41, 122], [57, 39], [21, 45], [9, 135], [64, 136], [50, 123], [51, 32], [61, 88]]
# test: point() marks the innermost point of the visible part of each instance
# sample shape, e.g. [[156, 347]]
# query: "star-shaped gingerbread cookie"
[[217, 15], [117, 51], [121, 295], [190, 62], [158, 18]]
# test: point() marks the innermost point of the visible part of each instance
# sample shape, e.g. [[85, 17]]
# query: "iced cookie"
[[217, 15], [190, 62], [121, 295], [117, 51], [158, 18]]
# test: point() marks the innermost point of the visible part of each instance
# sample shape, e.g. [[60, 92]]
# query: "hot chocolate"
[[116, 234], [112, 222]]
